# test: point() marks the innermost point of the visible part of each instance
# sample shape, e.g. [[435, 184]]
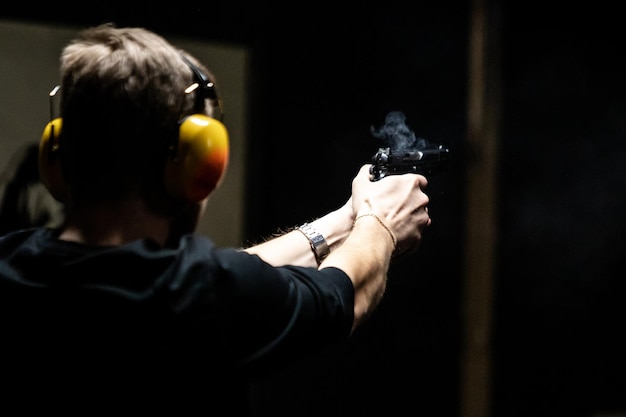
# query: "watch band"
[[318, 243]]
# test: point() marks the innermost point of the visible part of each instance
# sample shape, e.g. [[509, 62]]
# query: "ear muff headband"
[[206, 87]]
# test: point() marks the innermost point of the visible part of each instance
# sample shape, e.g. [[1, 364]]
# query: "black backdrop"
[[321, 77], [560, 342]]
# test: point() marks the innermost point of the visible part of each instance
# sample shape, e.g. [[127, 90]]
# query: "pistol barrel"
[[427, 161]]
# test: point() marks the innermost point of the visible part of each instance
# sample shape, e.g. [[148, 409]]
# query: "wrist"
[[318, 243], [335, 226], [381, 223]]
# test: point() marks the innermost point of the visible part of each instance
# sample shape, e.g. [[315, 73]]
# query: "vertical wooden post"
[[481, 216]]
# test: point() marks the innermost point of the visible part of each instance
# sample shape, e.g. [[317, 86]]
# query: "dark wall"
[[560, 339]]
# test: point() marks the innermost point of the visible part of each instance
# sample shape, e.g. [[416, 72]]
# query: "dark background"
[[322, 75]]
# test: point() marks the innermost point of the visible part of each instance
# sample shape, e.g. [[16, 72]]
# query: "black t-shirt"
[[86, 328]]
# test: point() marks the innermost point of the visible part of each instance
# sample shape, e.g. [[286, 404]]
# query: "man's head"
[[124, 94]]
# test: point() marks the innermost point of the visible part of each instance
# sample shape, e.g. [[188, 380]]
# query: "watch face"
[[317, 239]]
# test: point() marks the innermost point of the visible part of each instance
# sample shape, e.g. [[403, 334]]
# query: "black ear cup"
[[50, 170]]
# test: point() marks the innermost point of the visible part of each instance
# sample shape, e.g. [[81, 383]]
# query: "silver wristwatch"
[[318, 243]]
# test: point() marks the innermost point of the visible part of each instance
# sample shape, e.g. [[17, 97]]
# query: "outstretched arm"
[[381, 219]]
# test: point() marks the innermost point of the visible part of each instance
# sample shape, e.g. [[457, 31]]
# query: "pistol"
[[426, 161]]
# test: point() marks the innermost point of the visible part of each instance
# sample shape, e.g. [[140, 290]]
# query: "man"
[[123, 306]]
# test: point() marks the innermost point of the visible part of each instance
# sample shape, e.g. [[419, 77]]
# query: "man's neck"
[[115, 224]]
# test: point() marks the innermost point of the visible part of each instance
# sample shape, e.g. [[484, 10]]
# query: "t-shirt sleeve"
[[272, 316]]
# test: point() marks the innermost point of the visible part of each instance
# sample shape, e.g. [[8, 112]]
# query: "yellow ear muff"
[[50, 170], [196, 168], [198, 163]]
